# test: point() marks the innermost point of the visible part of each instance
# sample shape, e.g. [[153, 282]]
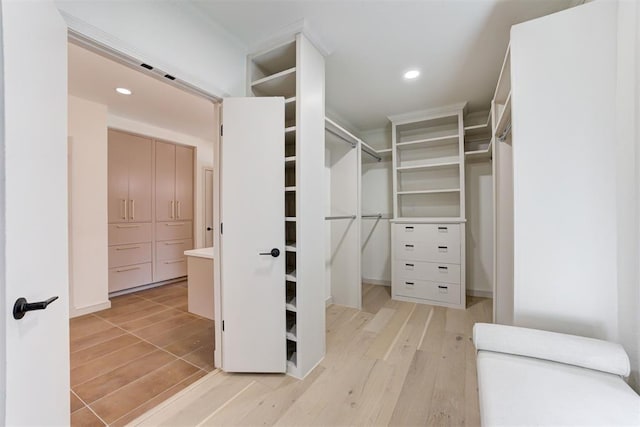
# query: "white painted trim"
[[431, 113], [287, 32], [87, 309], [147, 286], [377, 282], [329, 301], [483, 294], [105, 44]]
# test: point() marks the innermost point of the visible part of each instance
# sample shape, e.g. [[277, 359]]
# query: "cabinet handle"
[[128, 226], [408, 228], [133, 209], [441, 267], [174, 243], [174, 262], [408, 246], [127, 269], [409, 283], [178, 204], [408, 265], [127, 248], [442, 247], [443, 287], [123, 208], [443, 228], [171, 215], [174, 224]]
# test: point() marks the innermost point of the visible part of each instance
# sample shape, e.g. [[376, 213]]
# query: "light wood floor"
[[393, 363], [141, 351]]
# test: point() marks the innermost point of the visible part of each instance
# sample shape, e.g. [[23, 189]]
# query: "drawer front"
[[434, 291], [172, 249], [170, 269], [124, 234], [432, 251], [128, 277], [177, 230], [437, 272], [136, 253], [443, 233]]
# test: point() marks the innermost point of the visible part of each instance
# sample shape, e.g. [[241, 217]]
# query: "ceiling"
[[94, 77], [458, 45]]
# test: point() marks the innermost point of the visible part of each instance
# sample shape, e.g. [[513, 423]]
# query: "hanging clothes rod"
[[372, 216], [341, 217], [331, 131], [375, 156], [507, 130]]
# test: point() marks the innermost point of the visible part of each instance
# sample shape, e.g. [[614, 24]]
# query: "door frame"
[[105, 44]]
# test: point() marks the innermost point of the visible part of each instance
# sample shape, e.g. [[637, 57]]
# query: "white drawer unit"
[[172, 249], [438, 272], [171, 268], [428, 263], [174, 230], [129, 276], [126, 233], [448, 293]]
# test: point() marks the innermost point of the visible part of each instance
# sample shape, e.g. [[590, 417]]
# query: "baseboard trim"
[[328, 301], [88, 309], [147, 286], [377, 282], [483, 294]]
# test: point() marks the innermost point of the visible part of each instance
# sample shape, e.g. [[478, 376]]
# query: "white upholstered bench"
[[539, 378]]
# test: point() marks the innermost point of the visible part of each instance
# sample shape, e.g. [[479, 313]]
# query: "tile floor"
[[129, 358]]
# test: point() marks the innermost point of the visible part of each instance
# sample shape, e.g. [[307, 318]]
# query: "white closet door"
[[252, 214]]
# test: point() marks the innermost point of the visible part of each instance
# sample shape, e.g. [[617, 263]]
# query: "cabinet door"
[[253, 284], [184, 182], [140, 178], [165, 181], [118, 177]]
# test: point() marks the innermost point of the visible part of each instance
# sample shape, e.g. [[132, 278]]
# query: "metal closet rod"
[[348, 141], [341, 217], [351, 143], [503, 137], [372, 216]]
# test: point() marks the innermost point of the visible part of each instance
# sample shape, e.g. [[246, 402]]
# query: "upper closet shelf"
[[280, 84], [448, 139], [273, 61], [427, 166], [439, 190], [480, 154], [477, 121]]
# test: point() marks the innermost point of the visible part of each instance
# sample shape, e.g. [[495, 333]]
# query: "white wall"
[[87, 163], [88, 123], [171, 36], [204, 159], [565, 181]]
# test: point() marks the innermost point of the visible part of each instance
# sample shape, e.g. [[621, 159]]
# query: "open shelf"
[[291, 276], [290, 111], [290, 160], [289, 129], [290, 247], [477, 121], [429, 204], [440, 190], [290, 219], [280, 84], [483, 153], [274, 60], [292, 188], [447, 139], [292, 359], [428, 166], [291, 327]]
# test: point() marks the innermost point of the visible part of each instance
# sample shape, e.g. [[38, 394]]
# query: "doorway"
[[133, 340]]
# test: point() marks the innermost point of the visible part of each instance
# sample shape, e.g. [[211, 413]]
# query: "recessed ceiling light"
[[123, 91], [411, 74]]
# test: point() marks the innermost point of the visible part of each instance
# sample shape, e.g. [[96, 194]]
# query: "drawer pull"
[[443, 228], [174, 243], [128, 226], [128, 247], [174, 262], [408, 246], [174, 224], [408, 228], [122, 270], [409, 283], [443, 287], [441, 267], [408, 265], [442, 247]]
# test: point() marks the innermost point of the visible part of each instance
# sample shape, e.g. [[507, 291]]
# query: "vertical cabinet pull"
[[123, 208], [172, 209], [133, 209], [178, 204]]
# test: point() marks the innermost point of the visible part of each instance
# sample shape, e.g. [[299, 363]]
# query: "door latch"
[[22, 306]]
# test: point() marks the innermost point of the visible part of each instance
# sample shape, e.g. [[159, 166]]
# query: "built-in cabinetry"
[[428, 231], [295, 71], [146, 248], [174, 208]]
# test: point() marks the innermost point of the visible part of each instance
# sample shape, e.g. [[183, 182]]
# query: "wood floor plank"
[[387, 336], [471, 402], [94, 339], [80, 357], [236, 409], [380, 320], [85, 418]]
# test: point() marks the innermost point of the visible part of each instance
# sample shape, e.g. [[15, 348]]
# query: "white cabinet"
[[428, 231]]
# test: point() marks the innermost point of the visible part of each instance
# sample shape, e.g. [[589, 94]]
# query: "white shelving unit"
[[295, 70], [428, 229]]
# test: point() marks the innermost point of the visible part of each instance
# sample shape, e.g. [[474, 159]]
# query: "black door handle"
[[22, 306], [275, 252], [209, 228]]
